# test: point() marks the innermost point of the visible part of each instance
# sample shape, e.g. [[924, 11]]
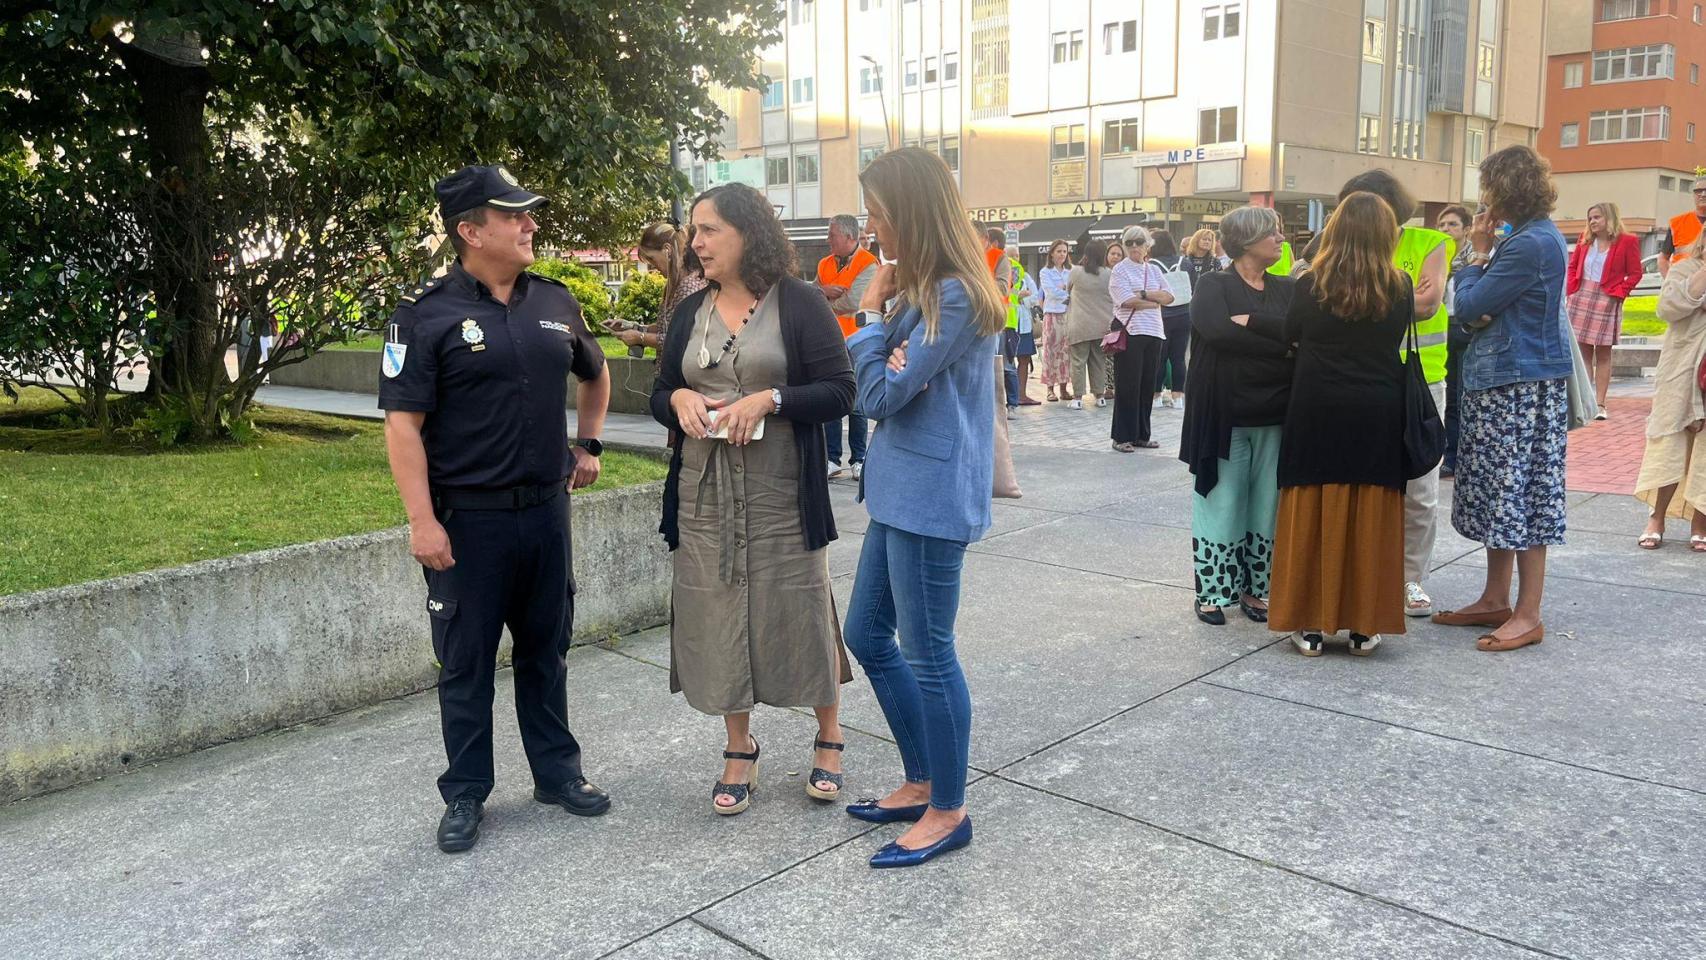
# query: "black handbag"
[[1424, 431]]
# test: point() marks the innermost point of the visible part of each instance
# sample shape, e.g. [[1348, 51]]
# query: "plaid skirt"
[[1596, 317]]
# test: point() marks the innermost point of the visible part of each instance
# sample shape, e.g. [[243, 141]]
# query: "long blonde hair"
[[1201, 243], [1613, 222], [1353, 273], [913, 190], [672, 240]]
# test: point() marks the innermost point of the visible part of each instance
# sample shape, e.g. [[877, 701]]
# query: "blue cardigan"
[[929, 469], [1522, 289]]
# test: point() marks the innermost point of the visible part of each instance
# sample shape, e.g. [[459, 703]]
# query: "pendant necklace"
[[705, 361]]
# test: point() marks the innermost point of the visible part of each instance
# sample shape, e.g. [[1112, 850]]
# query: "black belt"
[[512, 498]]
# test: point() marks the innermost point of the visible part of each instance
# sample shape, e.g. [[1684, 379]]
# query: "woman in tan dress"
[[1676, 453], [751, 370]]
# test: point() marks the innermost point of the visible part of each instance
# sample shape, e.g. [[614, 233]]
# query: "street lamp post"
[[882, 98], [1167, 172]]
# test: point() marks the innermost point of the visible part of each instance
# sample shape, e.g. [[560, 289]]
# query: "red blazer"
[[1622, 267]]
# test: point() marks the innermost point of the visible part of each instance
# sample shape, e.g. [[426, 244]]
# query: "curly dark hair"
[[1516, 185], [769, 254]]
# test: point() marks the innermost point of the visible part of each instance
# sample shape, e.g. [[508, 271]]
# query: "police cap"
[[483, 186]]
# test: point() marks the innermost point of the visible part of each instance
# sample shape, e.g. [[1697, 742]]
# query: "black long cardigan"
[[819, 390]]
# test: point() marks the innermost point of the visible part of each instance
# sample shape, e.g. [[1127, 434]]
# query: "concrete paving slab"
[[1121, 548], [1577, 863], [1595, 693], [1614, 558], [1046, 877], [684, 941], [1619, 516], [318, 842], [1074, 480]]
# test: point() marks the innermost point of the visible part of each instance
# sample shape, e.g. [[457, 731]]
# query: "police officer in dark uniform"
[[474, 382]]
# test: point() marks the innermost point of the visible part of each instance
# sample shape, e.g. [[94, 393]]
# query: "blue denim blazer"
[[929, 469], [1522, 289]]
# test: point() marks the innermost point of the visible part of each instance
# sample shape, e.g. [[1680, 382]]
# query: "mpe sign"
[[1197, 154]]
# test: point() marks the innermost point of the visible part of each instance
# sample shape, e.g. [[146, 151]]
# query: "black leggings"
[[1134, 388], [1173, 352]]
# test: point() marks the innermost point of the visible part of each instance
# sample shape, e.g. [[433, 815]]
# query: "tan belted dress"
[[754, 619]]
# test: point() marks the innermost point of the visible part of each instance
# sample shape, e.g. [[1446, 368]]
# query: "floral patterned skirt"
[[1510, 465], [1057, 353]]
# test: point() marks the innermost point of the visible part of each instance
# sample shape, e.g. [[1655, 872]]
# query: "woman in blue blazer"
[[926, 371]]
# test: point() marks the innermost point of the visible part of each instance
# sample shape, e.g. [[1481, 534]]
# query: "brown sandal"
[[1451, 618], [1493, 644]]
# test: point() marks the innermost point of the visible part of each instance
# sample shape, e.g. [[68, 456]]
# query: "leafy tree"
[[278, 156]]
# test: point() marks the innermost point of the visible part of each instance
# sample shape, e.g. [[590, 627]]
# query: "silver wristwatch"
[[775, 400], [869, 318]]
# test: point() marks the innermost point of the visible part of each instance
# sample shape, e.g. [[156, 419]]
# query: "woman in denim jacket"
[[927, 373], [1515, 407]]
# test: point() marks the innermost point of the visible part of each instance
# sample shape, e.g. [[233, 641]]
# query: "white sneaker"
[[1363, 646], [1101, 401], [1307, 642], [1167, 400], [834, 470], [1417, 603], [1601, 415], [1076, 404], [858, 469]]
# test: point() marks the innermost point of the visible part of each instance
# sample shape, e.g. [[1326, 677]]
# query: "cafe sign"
[[1052, 211]]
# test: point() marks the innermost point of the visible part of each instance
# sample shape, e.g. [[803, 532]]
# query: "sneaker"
[[1417, 603], [1601, 415], [1363, 646], [1307, 643], [1167, 400], [1101, 401], [834, 470], [1076, 404], [858, 469]]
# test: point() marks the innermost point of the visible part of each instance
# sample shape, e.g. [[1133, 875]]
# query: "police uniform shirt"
[[491, 378]]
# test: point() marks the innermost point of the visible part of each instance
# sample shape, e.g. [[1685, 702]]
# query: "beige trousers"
[[1421, 512], [1089, 368]]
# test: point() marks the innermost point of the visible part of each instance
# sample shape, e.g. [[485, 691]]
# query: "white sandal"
[[1652, 541], [1697, 543]]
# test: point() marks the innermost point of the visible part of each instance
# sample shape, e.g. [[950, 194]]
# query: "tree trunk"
[[191, 368]]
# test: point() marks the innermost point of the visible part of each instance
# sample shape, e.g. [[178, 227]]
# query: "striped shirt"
[[1129, 277]]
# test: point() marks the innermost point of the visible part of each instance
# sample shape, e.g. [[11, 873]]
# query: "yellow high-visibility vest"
[[1414, 245]]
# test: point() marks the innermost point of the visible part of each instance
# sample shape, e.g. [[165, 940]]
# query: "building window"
[[951, 153], [1697, 14], [1068, 46], [950, 67], [1068, 142], [698, 178], [1654, 61], [1570, 135], [1691, 133], [774, 95], [775, 171], [800, 12], [869, 5], [990, 52], [1694, 73], [1626, 9], [1119, 37], [870, 80], [909, 73], [931, 73], [866, 155], [1486, 59], [1667, 183], [1119, 136], [1368, 134], [1218, 126], [1223, 21], [805, 169], [1474, 147], [1635, 123], [1572, 75], [1374, 41], [804, 90]]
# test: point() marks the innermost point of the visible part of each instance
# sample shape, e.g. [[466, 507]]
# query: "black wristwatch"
[[593, 446]]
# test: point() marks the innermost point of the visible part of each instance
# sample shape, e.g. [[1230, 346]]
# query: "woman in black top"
[[1339, 556], [1240, 382]]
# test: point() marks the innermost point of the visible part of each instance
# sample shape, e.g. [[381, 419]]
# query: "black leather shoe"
[[578, 796], [1258, 614], [460, 825], [1215, 617]]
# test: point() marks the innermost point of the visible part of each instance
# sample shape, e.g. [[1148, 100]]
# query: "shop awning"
[[1041, 233]]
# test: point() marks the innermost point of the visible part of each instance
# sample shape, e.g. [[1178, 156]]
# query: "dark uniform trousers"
[[512, 569]]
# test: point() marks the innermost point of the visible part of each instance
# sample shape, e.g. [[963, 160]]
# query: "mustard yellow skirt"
[[1339, 560]]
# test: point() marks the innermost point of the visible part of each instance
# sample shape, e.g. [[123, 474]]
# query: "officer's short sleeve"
[[589, 356], [408, 365]]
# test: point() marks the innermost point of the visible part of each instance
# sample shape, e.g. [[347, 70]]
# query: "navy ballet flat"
[[895, 855], [868, 811]]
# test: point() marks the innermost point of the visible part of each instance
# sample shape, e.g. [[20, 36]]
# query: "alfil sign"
[[1184, 155]]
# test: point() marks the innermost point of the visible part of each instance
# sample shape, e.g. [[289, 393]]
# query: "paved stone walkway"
[[1144, 786]]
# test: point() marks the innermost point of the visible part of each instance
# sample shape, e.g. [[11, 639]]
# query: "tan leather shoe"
[[1493, 644], [1493, 618]]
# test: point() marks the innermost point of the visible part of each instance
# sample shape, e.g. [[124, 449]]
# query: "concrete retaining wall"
[[98, 677], [357, 371]]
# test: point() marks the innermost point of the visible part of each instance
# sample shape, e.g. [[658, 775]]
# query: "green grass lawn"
[[74, 507], [1640, 318], [611, 346]]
